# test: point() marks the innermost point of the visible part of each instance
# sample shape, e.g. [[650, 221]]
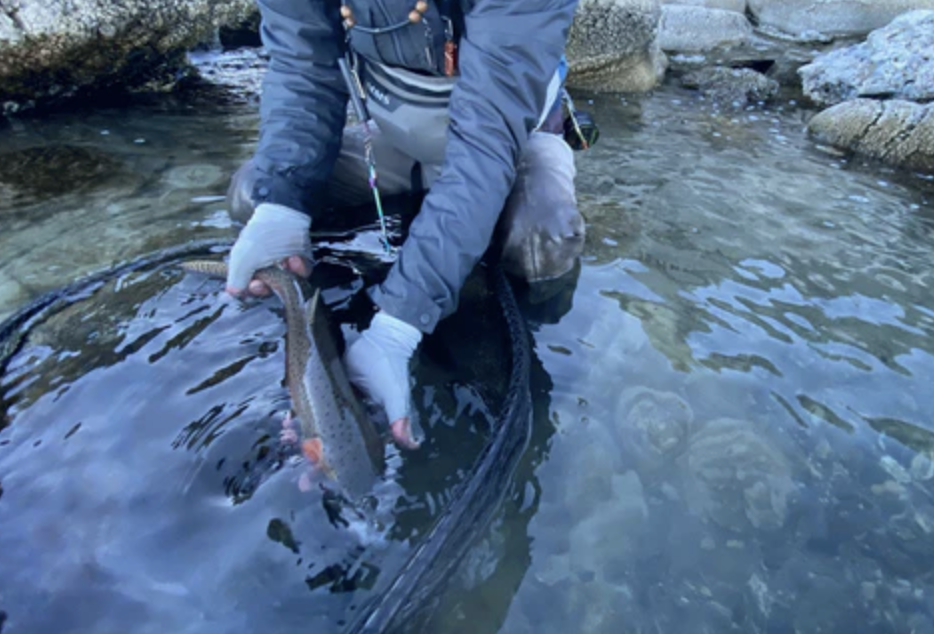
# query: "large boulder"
[[52, 50], [899, 133], [612, 46], [694, 29], [831, 17], [894, 62]]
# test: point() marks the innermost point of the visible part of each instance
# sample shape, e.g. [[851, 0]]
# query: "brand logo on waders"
[[377, 94]]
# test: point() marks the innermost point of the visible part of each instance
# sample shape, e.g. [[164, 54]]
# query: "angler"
[[462, 98]]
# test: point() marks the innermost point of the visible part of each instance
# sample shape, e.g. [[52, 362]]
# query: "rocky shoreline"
[[865, 65]]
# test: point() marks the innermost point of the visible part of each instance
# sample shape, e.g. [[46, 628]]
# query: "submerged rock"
[[694, 29], [894, 62], [52, 50], [612, 46], [656, 424], [899, 133], [731, 85], [39, 173], [734, 477], [198, 176], [831, 17]]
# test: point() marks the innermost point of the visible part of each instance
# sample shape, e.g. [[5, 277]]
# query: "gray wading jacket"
[[508, 51]]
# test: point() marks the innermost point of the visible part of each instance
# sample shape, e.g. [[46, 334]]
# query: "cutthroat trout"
[[334, 424]]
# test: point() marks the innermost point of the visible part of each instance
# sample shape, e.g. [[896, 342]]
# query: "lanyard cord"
[[356, 98], [348, 67]]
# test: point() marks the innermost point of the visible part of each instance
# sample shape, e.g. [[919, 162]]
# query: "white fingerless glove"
[[378, 363], [273, 233]]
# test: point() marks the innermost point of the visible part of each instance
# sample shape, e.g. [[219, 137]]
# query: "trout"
[[337, 433]]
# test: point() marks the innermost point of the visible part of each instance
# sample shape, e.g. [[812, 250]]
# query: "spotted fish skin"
[[323, 400]]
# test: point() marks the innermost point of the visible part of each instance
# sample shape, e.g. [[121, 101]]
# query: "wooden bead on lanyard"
[[415, 16]]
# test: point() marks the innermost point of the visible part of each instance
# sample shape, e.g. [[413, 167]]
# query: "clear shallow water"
[[733, 423], [82, 192]]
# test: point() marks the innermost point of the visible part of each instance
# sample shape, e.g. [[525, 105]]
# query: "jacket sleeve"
[[303, 107], [508, 54]]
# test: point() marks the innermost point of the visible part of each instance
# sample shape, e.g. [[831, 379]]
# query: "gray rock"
[[895, 61], [51, 50], [612, 46], [738, 6], [831, 17], [737, 86], [781, 57], [609, 533], [905, 542], [899, 133], [699, 29]]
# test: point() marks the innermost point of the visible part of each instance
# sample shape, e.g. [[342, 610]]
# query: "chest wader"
[[409, 114], [541, 228]]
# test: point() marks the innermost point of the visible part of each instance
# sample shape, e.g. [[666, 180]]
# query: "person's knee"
[[240, 204], [543, 230]]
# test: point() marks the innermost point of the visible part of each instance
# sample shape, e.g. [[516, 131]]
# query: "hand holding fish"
[[336, 436], [378, 364], [274, 234]]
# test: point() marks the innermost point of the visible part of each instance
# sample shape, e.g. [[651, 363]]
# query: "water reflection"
[[82, 191]]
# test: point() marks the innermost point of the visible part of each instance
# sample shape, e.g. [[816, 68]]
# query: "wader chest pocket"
[[416, 46]]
